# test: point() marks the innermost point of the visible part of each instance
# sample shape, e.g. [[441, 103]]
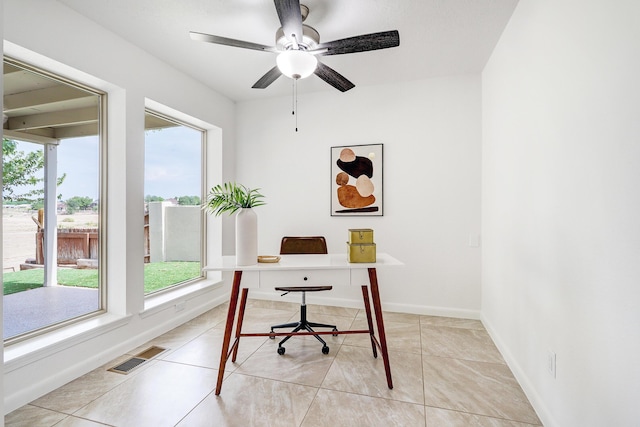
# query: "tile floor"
[[446, 372]]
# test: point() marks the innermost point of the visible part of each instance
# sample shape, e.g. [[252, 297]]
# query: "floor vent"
[[132, 363], [151, 352]]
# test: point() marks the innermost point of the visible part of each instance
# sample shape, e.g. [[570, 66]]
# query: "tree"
[[189, 200], [77, 203], [19, 172], [150, 198]]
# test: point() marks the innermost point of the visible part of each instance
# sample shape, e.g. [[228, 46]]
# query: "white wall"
[[431, 135], [52, 36], [561, 207]]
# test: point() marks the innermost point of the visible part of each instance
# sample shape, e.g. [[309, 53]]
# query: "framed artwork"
[[356, 180]]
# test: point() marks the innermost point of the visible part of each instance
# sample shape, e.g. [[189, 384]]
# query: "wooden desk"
[[303, 270]]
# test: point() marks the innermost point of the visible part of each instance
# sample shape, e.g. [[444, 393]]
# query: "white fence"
[[174, 232]]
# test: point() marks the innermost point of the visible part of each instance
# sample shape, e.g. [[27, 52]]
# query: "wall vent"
[[137, 360]]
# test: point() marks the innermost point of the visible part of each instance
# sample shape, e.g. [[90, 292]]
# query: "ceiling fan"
[[298, 47]]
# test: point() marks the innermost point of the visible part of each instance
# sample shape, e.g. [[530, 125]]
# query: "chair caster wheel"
[[335, 330], [273, 337], [325, 350], [280, 351]]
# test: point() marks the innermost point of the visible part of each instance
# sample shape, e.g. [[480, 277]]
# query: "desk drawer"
[[305, 277]]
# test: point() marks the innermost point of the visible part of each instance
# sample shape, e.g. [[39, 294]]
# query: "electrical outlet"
[[180, 306], [551, 363]]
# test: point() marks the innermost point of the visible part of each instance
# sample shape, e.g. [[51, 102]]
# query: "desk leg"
[[367, 308], [243, 303], [377, 308], [231, 315]]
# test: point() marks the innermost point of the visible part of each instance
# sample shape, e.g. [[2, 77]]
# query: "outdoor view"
[[77, 218], [51, 151], [172, 188], [51, 191], [172, 180]]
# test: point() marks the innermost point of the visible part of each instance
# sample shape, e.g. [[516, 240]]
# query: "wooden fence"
[[73, 244]]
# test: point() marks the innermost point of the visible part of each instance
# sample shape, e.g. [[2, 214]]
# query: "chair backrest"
[[303, 245]]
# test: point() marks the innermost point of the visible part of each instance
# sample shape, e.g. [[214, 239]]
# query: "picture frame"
[[357, 180]]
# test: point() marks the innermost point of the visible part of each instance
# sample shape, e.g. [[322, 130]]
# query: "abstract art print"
[[356, 180]]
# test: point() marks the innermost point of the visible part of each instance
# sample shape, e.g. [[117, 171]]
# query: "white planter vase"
[[246, 237]]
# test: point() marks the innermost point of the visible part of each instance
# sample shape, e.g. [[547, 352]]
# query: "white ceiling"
[[437, 37]]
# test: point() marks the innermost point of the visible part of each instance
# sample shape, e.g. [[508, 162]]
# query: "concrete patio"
[[36, 308]]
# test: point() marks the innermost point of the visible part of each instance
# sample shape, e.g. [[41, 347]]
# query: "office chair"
[[303, 245]]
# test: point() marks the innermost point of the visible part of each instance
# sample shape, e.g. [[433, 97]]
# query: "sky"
[[172, 164]]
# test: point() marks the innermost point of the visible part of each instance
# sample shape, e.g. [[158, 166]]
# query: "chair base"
[[306, 325]]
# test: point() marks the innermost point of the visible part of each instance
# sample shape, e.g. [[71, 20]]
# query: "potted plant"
[[231, 198]]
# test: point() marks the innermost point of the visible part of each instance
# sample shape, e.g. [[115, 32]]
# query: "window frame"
[[102, 137], [171, 289]]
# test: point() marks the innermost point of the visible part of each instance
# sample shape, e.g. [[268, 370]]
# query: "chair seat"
[[303, 288]]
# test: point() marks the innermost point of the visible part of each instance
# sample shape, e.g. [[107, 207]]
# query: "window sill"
[[31, 350], [158, 302]]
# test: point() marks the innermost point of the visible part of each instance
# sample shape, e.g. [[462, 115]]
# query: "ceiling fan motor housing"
[[310, 39]]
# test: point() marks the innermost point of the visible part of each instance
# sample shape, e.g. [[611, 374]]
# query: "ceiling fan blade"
[[290, 19], [363, 43], [332, 77], [270, 77], [230, 42]]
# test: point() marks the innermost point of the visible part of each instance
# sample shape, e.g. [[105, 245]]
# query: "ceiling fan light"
[[296, 64]]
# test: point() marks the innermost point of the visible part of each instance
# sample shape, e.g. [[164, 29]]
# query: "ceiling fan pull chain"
[[294, 102]]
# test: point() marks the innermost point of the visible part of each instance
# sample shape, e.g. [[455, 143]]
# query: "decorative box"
[[361, 252], [360, 235]]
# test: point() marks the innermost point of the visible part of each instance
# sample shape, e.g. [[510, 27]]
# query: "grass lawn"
[[157, 275]]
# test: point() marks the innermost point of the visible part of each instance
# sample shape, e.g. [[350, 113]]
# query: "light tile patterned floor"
[[446, 372]]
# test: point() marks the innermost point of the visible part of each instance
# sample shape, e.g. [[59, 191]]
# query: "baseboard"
[[357, 303], [527, 387], [426, 310]]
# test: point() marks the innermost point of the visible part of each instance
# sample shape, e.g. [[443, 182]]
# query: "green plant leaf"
[[230, 197]]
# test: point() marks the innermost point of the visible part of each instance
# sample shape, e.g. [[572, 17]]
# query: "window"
[[174, 221], [52, 154]]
